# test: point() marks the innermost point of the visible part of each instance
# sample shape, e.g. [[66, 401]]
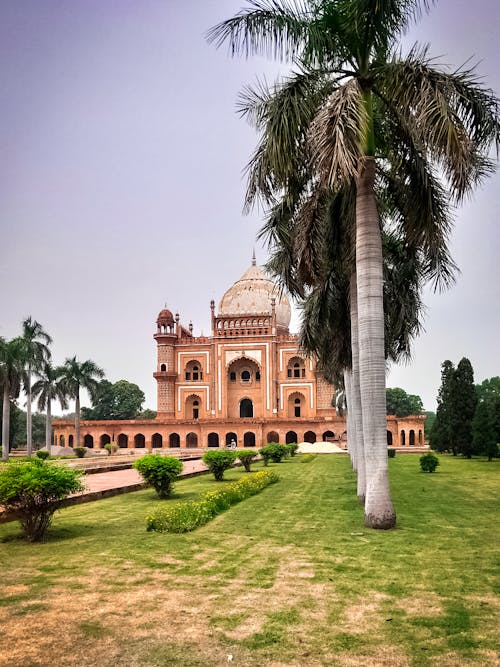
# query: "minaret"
[[166, 374]]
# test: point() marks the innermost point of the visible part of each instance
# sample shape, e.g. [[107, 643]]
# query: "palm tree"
[[35, 344], [374, 117], [12, 376], [79, 375], [48, 388]]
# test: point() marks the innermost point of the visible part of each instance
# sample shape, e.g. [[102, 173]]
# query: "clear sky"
[[121, 184]]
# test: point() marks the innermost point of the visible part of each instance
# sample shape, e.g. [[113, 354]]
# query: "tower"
[[166, 374]]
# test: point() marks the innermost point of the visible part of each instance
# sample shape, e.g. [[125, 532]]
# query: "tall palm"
[[12, 376], [79, 375], [49, 387], [36, 350], [400, 121]]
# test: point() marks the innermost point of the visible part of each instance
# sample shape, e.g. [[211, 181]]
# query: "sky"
[[122, 184]]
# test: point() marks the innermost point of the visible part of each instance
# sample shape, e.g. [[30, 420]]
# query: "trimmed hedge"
[[160, 472], [246, 456], [307, 458], [273, 452], [219, 462], [184, 517], [429, 462]]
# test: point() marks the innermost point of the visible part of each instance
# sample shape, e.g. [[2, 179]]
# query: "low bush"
[[292, 448], [307, 458], [428, 462], [391, 453], [34, 490], [274, 452], [111, 448], [246, 456], [219, 462], [160, 472], [42, 454], [80, 451], [184, 517]]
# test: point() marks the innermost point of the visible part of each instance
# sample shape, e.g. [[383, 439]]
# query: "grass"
[[288, 577]]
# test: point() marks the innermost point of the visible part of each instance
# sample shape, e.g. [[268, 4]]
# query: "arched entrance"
[[328, 436], [122, 441], [191, 440], [309, 436], [272, 436], [290, 437], [246, 408], [157, 440], [230, 437], [403, 438], [88, 441], [70, 441], [174, 440], [104, 440], [412, 438], [139, 441], [213, 439], [249, 439]]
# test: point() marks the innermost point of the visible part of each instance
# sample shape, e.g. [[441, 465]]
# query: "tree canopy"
[[401, 404], [118, 400]]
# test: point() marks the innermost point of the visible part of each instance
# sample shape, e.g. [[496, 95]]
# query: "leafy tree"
[[35, 342], [484, 435], [219, 462], [49, 387], [160, 472], [372, 117], [489, 392], [77, 375], [246, 456], [12, 376], [441, 435], [34, 490], [463, 406], [429, 462], [119, 400], [147, 414], [401, 404]]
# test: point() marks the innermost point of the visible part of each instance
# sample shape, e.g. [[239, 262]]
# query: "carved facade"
[[246, 382]]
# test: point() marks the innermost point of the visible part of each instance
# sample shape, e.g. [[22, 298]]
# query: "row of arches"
[[413, 438], [173, 440]]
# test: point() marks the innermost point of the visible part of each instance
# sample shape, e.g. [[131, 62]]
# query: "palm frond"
[[335, 136]]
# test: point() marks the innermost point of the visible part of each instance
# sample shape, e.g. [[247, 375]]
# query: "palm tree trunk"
[[29, 431], [77, 420], [379, 511], [356, 395], [351, 426], [48, 426], [5, 421]]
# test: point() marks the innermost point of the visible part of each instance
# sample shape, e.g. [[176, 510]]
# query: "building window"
[[232, 376], [193, 371], [245, 376], [196, 409], [257, 376], [297, 407], [296, 368], [163, 367]]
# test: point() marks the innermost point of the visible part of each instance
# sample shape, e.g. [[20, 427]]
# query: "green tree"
[[430, 418], [441, 435], [12, 376], [463, 406], [401, 404], [35, 343], [160, 472], [49, 387], [119, 400], [489, 392], [484, 434], [431, 117], [75, 376]]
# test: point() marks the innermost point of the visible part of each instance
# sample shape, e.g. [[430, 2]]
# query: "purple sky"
[[121, 183]]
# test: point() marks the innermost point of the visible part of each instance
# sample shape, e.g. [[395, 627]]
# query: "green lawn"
[[288, 577]]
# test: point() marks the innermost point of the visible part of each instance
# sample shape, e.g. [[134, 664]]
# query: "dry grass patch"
[[421, 604]]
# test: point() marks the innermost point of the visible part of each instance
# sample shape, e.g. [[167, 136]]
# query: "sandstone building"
[[246, 382]]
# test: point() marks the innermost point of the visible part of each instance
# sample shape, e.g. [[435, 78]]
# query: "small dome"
[[252, 294], [165, 317]]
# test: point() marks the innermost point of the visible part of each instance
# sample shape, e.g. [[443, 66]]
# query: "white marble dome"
[[252, 294]]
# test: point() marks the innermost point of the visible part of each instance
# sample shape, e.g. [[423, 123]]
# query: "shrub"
[[274, 452], [246, 456], [80, 451], [218, 462], [429, 462], [307, 458], [292, 448], [391, 453], [111, 448], [42, 454], [184, 517], [34, 490], [160, 472]]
